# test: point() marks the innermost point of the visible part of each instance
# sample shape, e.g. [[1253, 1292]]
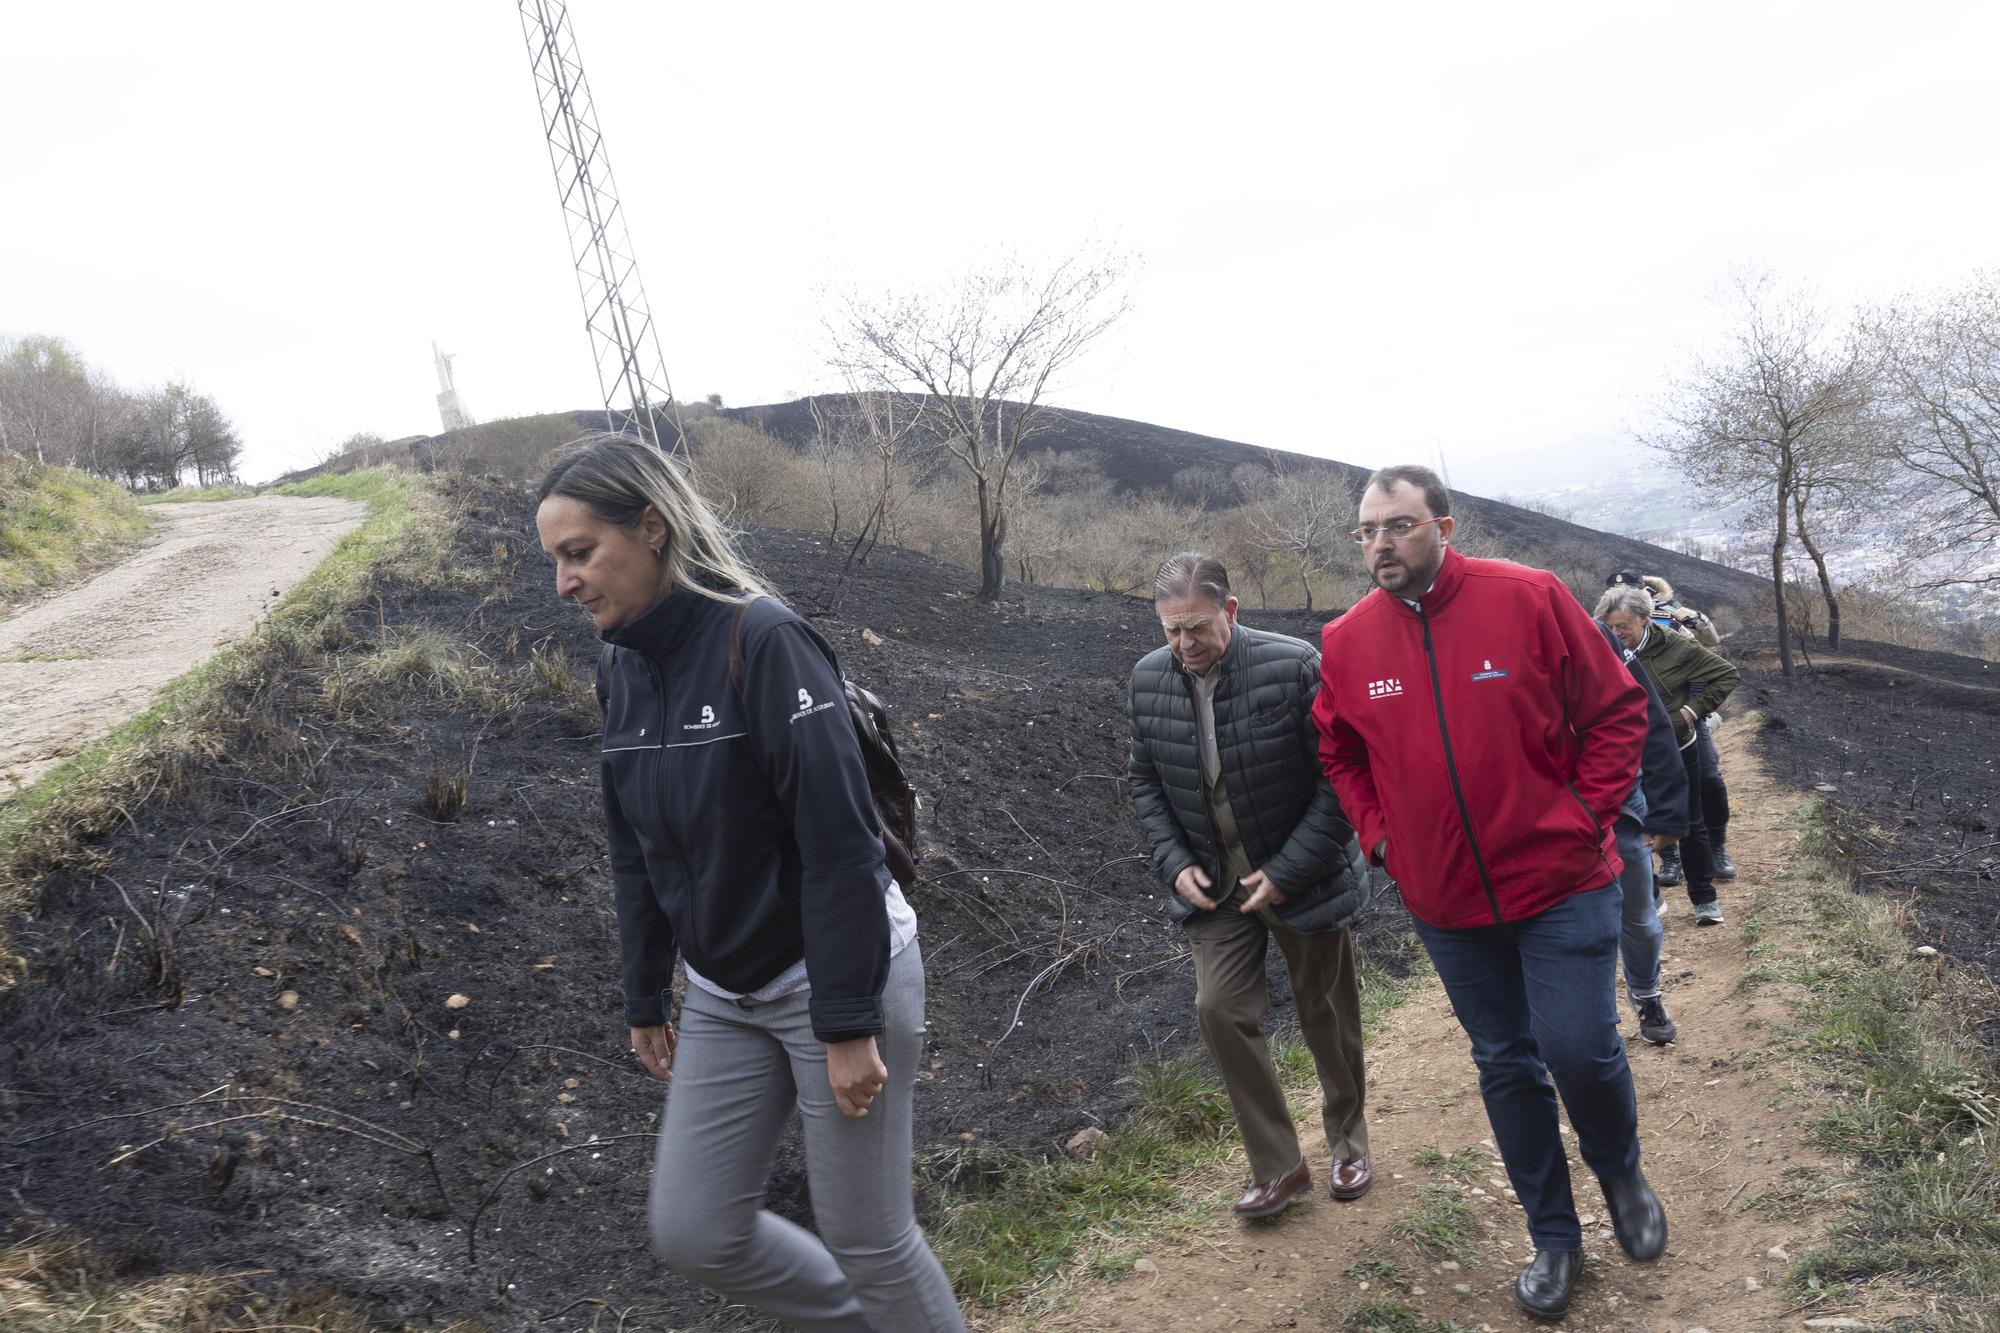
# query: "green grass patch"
[[1463, 1165], [1025, 1218], [1910, 1095], [1020, 1222], [1441, 1224], [1386, 1314], [57, 523], [196, 494], [1379, 1273]]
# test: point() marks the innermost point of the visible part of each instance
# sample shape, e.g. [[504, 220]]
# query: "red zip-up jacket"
[[1490, 736]]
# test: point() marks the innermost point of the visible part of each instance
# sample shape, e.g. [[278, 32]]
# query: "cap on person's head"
[[1627, 578]]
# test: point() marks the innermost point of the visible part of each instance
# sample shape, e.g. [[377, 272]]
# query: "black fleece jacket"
[[1661, 778], [742, 830]]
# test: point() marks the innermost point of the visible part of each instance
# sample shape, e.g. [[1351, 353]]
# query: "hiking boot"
[[1669, 872], [1654, 1025], [1724, 867], [1708, 914]]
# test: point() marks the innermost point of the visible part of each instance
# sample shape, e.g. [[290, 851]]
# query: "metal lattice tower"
[[630, 372]]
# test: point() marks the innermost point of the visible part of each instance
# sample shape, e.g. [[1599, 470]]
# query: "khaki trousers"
[[1232, 999]]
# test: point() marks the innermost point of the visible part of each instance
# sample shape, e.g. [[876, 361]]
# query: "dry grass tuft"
[[54, 1281]]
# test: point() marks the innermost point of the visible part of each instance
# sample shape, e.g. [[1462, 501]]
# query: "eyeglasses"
[[1395, 531]]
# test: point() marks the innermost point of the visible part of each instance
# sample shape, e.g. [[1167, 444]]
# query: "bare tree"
[[1940, 381], [43, 389], [1775, 417], [1304, 514], [974, 363]]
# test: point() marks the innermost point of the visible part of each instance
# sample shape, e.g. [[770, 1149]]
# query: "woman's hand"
[[655, 1049], [856, 1073]]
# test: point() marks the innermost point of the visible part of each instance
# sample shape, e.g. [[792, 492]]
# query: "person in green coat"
[[1692, 682]]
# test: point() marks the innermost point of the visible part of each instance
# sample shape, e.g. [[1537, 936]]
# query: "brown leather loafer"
[[1271, 1197], [1350, 1180]]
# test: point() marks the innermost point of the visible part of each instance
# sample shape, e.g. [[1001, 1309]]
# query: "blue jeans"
[[1639, 939], [1537, 997]]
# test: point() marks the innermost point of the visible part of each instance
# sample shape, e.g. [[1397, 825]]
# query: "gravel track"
[[75, 666]]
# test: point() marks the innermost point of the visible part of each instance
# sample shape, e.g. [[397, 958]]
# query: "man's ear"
[[1445, 526]]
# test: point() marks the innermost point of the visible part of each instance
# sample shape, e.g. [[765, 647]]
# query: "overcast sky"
[[1489, 230]]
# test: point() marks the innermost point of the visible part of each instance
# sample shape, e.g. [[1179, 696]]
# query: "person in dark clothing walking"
[[1251, 847], [1654, 816], [1483, 736], [1670, 614], [1693, 682], [744, 839]]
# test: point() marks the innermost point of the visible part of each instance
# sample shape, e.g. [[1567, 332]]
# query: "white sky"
[[1487, 229]]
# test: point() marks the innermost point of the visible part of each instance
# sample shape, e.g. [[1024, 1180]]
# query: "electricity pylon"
[[630, 372]]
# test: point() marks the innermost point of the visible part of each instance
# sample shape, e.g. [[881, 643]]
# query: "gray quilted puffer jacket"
[[1286, 814]]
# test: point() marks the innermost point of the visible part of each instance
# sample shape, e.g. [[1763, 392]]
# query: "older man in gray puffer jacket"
[[1250, 842]]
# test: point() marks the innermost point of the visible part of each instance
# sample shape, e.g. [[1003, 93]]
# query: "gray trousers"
[[1231, 1000], [739, 1072]]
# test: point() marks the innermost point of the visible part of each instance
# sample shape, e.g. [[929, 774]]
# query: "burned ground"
[[294, 927], [1904, 747], [401, 1020]]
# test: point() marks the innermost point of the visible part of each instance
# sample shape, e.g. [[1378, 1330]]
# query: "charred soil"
[[1904, 747], [372, 944]]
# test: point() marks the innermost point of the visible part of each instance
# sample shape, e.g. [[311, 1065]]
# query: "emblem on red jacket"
[[1382, 689]]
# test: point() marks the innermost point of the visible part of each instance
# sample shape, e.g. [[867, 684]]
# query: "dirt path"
[[73, 667], [1769, 660], [1717, 1120]]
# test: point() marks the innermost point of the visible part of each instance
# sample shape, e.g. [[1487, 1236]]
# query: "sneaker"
[[1654, 1025], [1670, 867], [1708, 914], [1724, 867]]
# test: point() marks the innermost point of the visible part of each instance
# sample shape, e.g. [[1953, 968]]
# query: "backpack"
[[888, 785]]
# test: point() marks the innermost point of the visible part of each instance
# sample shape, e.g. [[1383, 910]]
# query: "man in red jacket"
[[1481, 736]]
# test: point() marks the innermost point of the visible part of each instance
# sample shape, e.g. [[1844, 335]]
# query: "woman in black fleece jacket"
[[744, 841]]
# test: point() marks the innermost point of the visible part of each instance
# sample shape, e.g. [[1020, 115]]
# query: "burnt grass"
[[1903, 746], [291, 928]]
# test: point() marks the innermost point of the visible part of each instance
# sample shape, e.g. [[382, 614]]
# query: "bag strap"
[[736, 644], [604, 676]]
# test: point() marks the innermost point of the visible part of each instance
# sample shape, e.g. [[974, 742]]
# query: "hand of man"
[[1382, 852], [1263, 892], [856, 1073], [1659, 842], [1193, 885], [655, 1048]]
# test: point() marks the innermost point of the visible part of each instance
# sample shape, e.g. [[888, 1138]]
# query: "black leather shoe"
[[1543, 1287], [1637, 1217]]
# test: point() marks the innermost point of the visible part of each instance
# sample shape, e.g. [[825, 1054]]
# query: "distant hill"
[[1139, 456], [1862, 546]]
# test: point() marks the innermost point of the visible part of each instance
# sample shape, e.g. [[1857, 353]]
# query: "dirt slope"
[[73, 667], [1718, 1126]]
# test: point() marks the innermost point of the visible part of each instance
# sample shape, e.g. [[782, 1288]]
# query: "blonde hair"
[[618, 479]]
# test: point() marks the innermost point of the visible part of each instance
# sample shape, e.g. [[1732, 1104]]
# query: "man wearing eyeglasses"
[[1481, 736]]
